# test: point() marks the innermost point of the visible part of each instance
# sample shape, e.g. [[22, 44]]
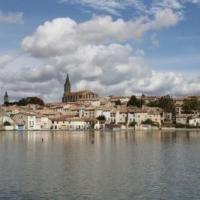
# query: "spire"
[[67, 79], [6, 98], [6, 94], [67, 86]]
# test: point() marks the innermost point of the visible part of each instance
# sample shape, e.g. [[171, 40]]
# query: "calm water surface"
[[100, 166]]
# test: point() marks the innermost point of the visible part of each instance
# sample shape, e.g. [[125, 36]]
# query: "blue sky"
[[168, 45]]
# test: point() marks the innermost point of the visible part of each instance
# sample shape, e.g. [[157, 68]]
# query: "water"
[[100, 166]]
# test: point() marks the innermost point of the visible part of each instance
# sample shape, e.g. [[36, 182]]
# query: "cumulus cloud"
[[93, 49], [98, 56], [65, 35], [23, 80], [11, 17], [4, 59]]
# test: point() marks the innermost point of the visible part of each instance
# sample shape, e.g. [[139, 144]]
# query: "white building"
[[31, 122], [155, 117], [67, 123], [181, 119], [42, 123], [6, 123], [194, 122], [105, 112], [140, 116]]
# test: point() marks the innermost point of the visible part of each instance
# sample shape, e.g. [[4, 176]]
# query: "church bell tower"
[[67, 86], [6, 98], [67, 89]]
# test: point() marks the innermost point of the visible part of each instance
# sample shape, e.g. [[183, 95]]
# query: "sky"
[[112, 47]]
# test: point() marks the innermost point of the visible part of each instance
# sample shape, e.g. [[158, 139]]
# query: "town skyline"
[[69, 95], [150, 48], [100, 99]]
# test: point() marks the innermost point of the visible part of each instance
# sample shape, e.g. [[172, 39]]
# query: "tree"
[[118, 103], [148, 121], [190, 105], [30, 100], [7, 123], [22, 102], [101, 118], [133, 101], [132, 124], [165, 102]]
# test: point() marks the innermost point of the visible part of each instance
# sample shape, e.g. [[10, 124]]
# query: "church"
[[70, 96]]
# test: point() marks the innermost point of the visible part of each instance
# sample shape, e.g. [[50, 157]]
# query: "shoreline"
[[105, 130]]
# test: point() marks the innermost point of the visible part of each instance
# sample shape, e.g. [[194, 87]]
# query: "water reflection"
[[96, 165]]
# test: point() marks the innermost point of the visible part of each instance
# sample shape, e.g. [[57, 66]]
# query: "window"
[[31, 123]]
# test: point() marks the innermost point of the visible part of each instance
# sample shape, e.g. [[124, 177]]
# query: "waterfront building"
[[140, 116], [195, 122], [21, 120], [121, 116], [69, 96], [167, 117], [131, 116], [155, 117], [31, 121], [113, 116], [42, 123], [70, 123], [103, 111], [6, 123], [182, 119]]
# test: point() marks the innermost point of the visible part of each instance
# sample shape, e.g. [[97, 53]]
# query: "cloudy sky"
[[113, 47]]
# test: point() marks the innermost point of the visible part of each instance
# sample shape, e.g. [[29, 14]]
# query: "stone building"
[[6, 98], [70, 96]]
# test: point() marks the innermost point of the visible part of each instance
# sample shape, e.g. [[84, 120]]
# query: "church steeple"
[[67, 86], [6, 98]]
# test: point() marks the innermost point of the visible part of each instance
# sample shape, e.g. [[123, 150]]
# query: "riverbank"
[[107, 129]]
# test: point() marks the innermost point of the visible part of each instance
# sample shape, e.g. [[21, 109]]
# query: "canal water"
[[100, 166]]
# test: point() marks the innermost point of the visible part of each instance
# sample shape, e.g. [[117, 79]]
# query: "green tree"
[[101, 118], [135, 102], [7, 123], [148, 121], [165, 102], [132, 124], [190, 105], [118, 103], [30, 100]]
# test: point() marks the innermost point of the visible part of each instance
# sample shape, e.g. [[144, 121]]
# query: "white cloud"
[[115, 6], [65, 35], [11, 17], [97, 58], [166, 18], [110, 6], [4, 59], [96, 53], [27, 77]]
